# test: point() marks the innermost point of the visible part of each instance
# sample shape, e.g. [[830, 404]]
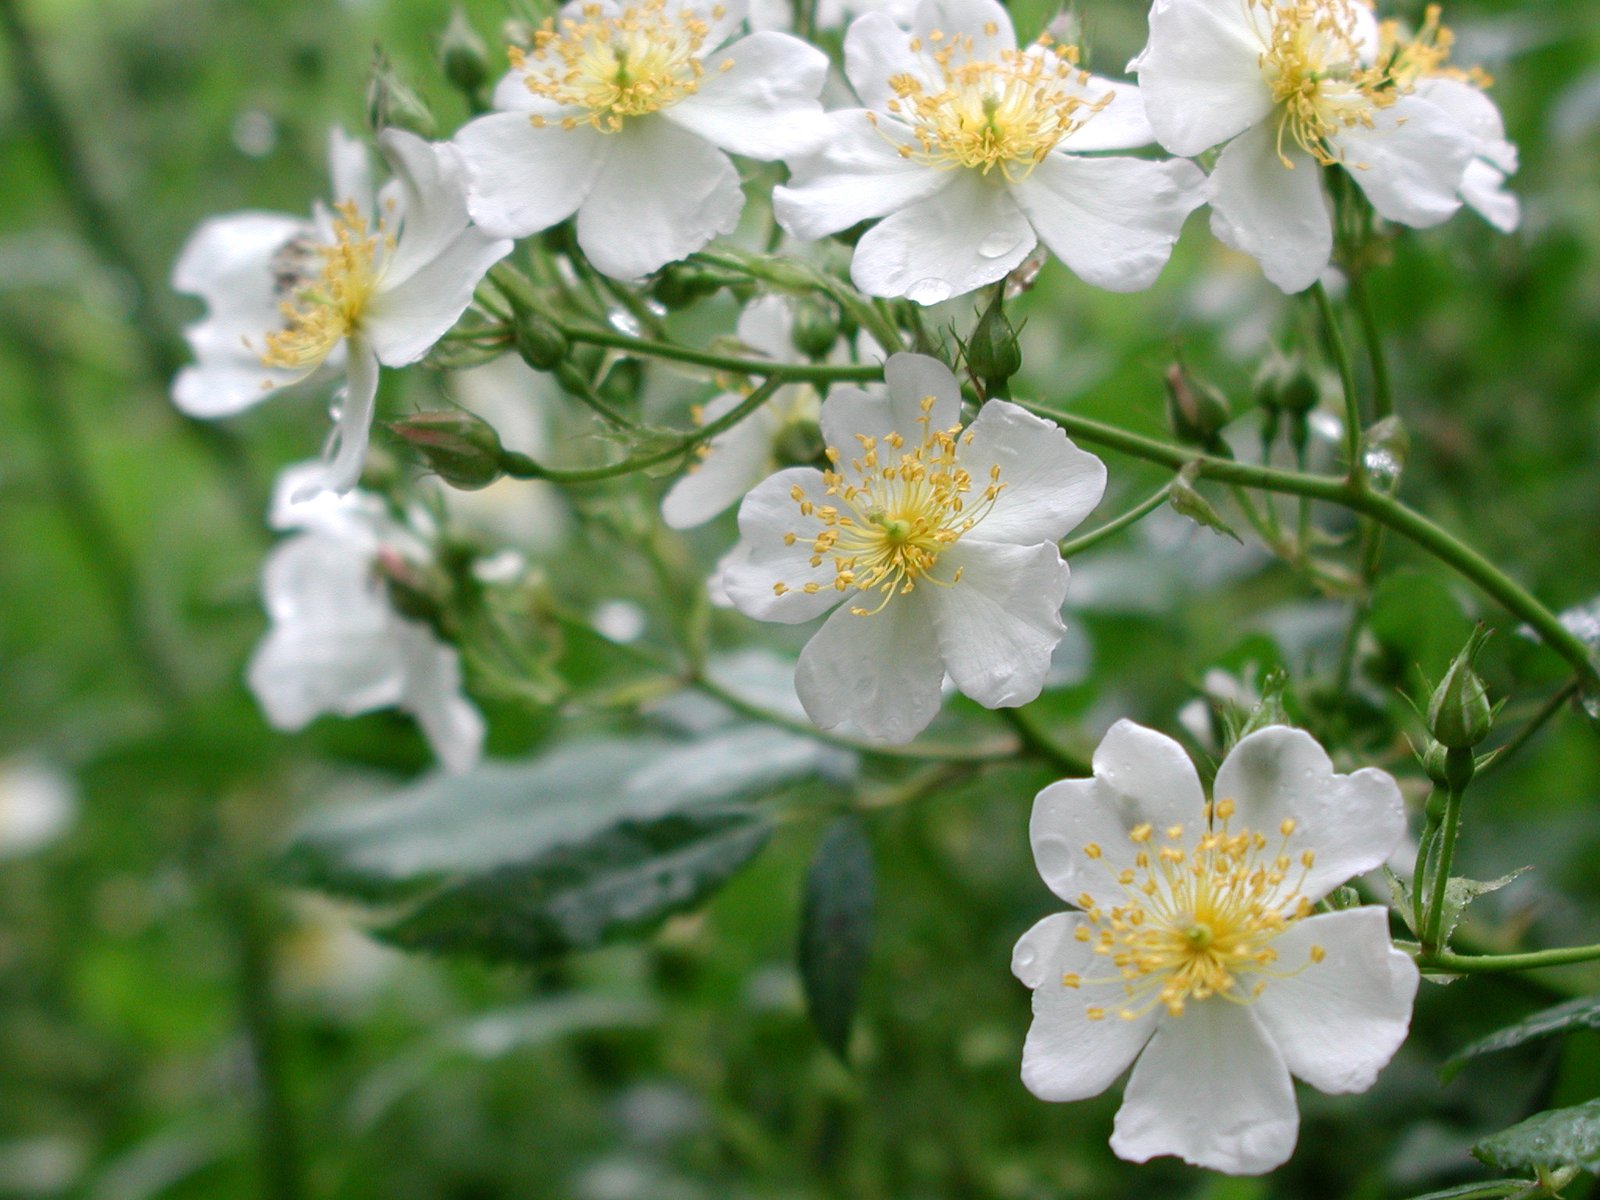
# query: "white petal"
[[1141, 777], [1067, 1056], [1474, 112], [1410, 162], [1112, 220], [1483, 187], [721, 17], [765, 104], [768, 514], [1339, 1021], [350, 170], [986, 22], [912, 379], [1350, 822], [969, 234], [880, 673], [1211, 1089], [522, 179], [1200, 74], [432, 201], [402, 323], [220, 389], [356, 404], [1277, 215], [1049, 484], [662, 194], [854, 175], [999, 625], [432, 694], [1120, 125], [737, 460], [850, 414], [876, 49], [766, 324]]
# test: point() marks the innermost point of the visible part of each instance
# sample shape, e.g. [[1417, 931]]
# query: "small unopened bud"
[[679, 285], [1196, 410], [462, 449], [815, 328], [1285, 384], [1459, 713], [1433, 764], [539, 340], [463, 54], [391, 103], [993, 355], [412, 592], [798, 444]]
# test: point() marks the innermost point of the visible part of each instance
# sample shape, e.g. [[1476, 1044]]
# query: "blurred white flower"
[[38, 804], [367, 280], [829, 14], [1296, 85], [973, 151], [625, 115], [337, 644], [1197, 949], [935, 547]]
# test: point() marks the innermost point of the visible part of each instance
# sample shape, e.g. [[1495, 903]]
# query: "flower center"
[[629, 64], [1005, 113], [326, 287], [1424, 55], [900, 506], [1193, 921], [1312, 61]]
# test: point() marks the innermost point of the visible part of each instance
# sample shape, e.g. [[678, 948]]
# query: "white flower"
[[336, 644], [1302, 84], [936, 544], [829, 14], [734, 461], [38, 804], [622, 115], [1197, 949], [973, 151], [363, 282]]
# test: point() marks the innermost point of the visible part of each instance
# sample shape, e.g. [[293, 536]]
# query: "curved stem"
[[1116, 525], [1382, 393], [1035, 739], [1443, 962], [1347, 377], [789, 372]]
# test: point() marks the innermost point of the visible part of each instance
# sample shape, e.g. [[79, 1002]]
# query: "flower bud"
[[1285, 384], [993, 355], [798, 444], [1459, 713], [679, 285], [1197, 411], [463, 54], [462, 449], [393, 104], [412, 592], [815, 328], [539, 340]]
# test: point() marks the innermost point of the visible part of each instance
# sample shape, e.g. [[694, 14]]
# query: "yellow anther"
[[1318, 954], [1091, 850]]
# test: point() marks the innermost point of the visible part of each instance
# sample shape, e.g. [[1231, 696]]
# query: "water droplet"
[[1383, 468], [998, 244], [1026, 957], [929, 291]]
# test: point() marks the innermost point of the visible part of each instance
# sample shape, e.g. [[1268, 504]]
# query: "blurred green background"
[[177, 1022]]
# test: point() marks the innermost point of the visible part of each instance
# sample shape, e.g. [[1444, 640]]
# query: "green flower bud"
[[1459, 713], [1433, 763], [539, 340], [463, 54], [393, 104], [993, 355], [1196, 410], [679, 285], [1285, 384], [798, 444], [815, 329], [462, 449]]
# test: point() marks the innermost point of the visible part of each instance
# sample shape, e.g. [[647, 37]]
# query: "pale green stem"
[[1347, 378], [1111, 528]]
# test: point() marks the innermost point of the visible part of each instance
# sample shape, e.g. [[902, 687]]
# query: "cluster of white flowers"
[[929, 540]]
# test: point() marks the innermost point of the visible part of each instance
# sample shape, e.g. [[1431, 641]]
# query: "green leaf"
[[836, 929], [1458, 893], [625, 880], [1186, 500], [1562, 1137], [1489, 1189], [1582, 1013]]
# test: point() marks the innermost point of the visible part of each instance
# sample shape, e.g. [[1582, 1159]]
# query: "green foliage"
[[836, 929], [1582, 1013], [1562, 1137]]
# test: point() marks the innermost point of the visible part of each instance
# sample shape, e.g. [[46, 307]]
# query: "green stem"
[[1116, 525], [819, 373], [1444, 962], [1382, 393], [1433, 922], [1347, 377], [1386, 510], [1035, 739]]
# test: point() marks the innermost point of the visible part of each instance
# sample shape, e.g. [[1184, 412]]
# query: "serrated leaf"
[[1460, 892], [624, 880], [1186, 501], [1562, 1137], [836, 930], [1582, 1013]]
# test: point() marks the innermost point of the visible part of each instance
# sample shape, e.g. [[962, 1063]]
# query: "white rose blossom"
[[973, 151], [734, 461], [625, 115], [337, 644], [935, 546], [1295, 85], [367, 280], [1197, 949], [826, 14]]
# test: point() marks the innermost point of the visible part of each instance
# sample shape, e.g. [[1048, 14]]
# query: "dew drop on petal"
[[929, 291], [998, 244]]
